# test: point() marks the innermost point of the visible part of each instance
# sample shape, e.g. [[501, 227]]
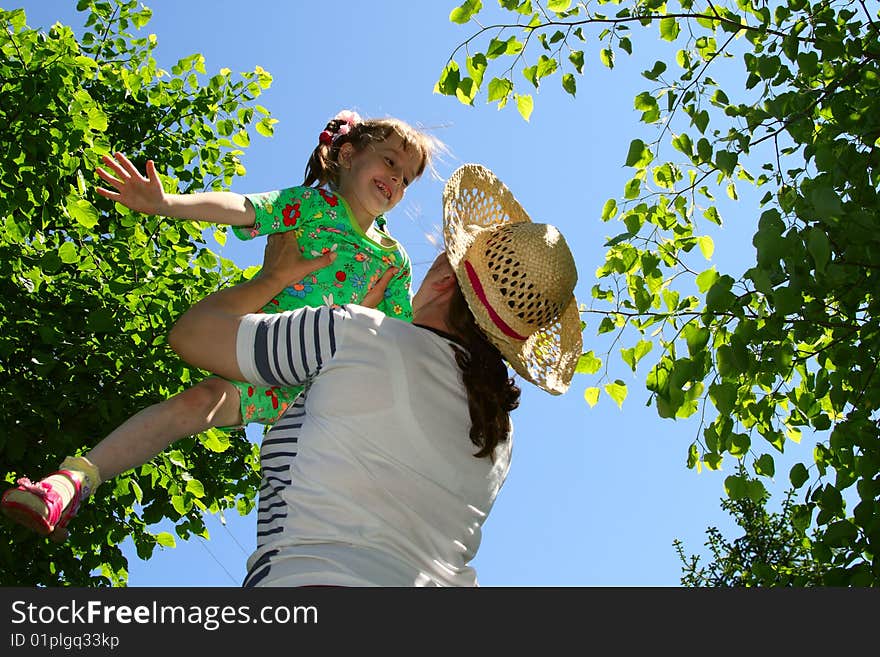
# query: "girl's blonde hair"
[[323, 166]]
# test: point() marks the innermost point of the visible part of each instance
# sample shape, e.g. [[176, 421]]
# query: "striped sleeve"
[[289, 348]]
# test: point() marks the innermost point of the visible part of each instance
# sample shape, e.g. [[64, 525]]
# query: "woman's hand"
[[284, 264], [205, 334], [140, 193]]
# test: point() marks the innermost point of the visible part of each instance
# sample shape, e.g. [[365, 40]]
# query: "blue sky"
[[595, 496]]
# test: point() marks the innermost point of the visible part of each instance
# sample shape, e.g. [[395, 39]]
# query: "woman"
[[385, 472]]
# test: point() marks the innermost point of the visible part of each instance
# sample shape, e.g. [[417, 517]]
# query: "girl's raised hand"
[[140, 193]]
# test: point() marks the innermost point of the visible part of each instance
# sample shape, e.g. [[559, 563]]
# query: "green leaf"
[[136, 489], [719, 297], [841, 534], [669, 29], [819, 248], [50, 263], [723, 396], [632, 355], [639, 155], [215, 440], [617, 391], [68, 253], [166, 539], [632, 189], [606, 56], [647, 104], [787, 299], [195, 487], [577, 58], [588, 363], [546, 66], [499, 88], [449, 79], [707, 279], [704, 150], [707, 246], [466, 91], [82, 212], [658, 69], [142, 17], [241, 138], [726, 161], [476, 66], [736, 487], [609, 210], [266, 126], [558, 6], [569, 84], [497, 48], [756, 491], [524, 104], [711, 213], [798, 475], [683, 144], [97, 119], [466, 11], [696, 337], [765, 465], [591, 395], [178, 504]]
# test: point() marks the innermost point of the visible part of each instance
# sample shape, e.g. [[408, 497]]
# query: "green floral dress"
[[323, 222]]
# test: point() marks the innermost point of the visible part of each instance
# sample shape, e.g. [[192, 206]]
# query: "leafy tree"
[[89, 290], [773, 551], [792, 341]]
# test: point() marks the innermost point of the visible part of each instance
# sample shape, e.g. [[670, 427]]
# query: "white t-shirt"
[[369, 479]]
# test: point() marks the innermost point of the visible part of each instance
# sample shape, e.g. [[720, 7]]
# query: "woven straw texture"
[[526, 272]]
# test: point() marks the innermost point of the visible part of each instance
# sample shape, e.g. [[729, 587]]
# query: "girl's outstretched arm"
[[145, 194]]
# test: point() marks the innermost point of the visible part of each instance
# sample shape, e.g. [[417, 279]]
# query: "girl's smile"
[[374, 179]]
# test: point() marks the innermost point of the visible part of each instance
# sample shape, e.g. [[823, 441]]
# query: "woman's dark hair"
[[323, 166], [492, 393]]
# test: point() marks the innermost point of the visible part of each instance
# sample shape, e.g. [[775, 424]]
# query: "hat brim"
[[475, 200]]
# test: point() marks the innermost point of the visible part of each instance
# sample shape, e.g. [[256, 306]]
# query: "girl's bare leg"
[[210, 403]]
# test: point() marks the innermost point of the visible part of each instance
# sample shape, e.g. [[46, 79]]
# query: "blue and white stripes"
[[289, 348], [285, 349]]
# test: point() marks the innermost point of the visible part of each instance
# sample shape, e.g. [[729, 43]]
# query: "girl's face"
[[373, 180]]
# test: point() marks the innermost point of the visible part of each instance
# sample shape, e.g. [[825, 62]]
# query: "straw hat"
[[518, 277]]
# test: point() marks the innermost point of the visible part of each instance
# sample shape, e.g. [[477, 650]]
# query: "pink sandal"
[[18, 504]]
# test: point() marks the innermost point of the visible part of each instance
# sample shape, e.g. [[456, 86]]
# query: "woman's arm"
[[205, 335], [145, 194]]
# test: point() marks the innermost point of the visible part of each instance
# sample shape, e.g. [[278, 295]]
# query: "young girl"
[[367, 166]]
